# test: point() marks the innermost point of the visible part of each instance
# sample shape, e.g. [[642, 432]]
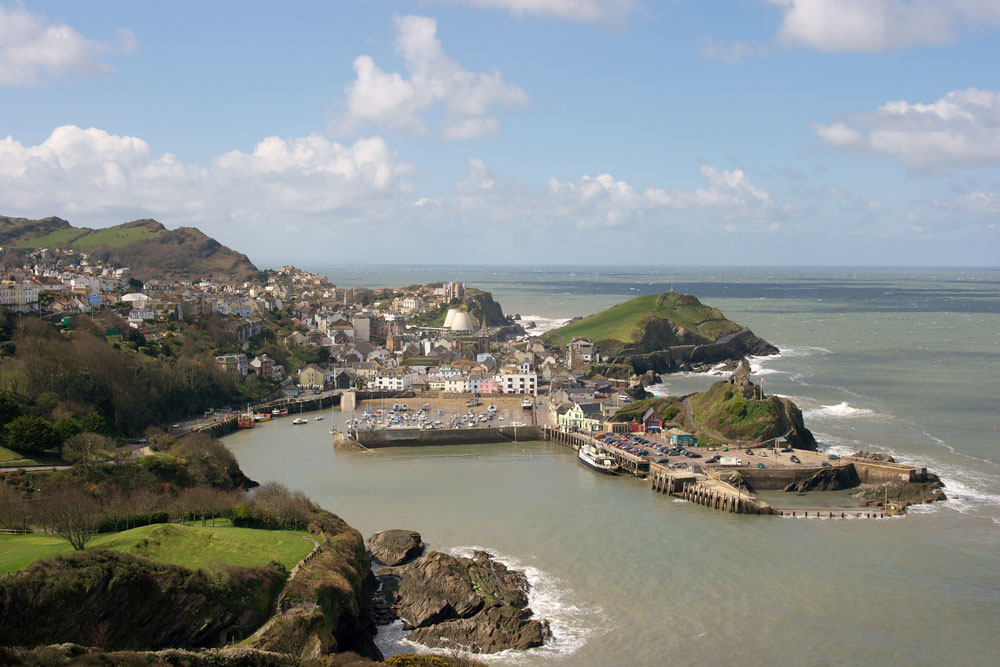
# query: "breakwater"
[[416, 437]]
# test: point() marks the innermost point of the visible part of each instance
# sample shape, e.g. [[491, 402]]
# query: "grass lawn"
[[9, 458], [190, 546]]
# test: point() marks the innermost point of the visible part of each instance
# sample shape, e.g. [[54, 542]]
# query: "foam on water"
[[543, 324], [549, 598], [838, 411]]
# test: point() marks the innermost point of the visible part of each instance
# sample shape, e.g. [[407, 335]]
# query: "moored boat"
[[591, 457], [262, 416], [245, 420]]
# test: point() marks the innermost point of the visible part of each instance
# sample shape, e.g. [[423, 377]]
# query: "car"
[[761, 465], [663, 460], [786, 449], [833, 457], [795, 459], [694, 455], [761, 453], [678, 465], [714, 459], [748, 452], [826, 464], [712, 448]]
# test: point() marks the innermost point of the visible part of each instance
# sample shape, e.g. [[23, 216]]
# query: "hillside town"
[[422, 338]]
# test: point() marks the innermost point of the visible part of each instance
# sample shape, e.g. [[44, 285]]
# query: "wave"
[[543, 324], [550, 598], [838, 411]]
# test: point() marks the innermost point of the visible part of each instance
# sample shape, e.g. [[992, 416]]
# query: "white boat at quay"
[[593, 458]]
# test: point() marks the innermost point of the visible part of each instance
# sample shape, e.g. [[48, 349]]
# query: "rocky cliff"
[[327, 605], [118, 601]]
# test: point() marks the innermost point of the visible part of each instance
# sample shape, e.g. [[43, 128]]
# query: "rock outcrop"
[[873, 456], [475, 604], [118, 601], [326, 608], [395, 547], [902, 494], [827, 479]]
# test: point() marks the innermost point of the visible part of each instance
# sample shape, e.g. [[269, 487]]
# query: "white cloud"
[[590, 11], [306, 192], [33, 48], [434, 80], [972, 205], [880, 25], [962, 129], [93, 174]]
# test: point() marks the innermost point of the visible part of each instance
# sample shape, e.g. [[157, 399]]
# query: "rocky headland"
[[476, 605]]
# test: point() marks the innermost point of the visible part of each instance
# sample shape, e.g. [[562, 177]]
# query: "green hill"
[[641, 330], [626, 322], [189, 546], [148, 248]]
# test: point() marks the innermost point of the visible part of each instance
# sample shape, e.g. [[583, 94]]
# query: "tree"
[[87, 448], [71, 513], [31, 434], [14, 511], [10, 409]]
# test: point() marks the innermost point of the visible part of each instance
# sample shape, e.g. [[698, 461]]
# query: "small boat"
[[591, 457], [262, 417], [318, 418], [284, 412], [300, 420], [276, 412], [245, 420]]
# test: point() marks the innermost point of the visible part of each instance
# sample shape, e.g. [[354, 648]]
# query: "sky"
[[653, 132]]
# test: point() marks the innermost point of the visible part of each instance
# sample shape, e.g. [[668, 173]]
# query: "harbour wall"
[[415, 437]]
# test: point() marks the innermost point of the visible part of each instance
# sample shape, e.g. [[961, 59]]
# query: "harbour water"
[[904, 361]]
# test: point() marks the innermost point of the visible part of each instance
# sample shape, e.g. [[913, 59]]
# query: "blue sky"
[[832, 132]]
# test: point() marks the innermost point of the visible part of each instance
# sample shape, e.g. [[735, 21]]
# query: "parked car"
[[833, 457], [761, 453], [795, 459], [761, 465], [826, 464], [748, 452]]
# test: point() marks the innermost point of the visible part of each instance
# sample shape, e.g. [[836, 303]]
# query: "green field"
[[622, 322], [9, 458], [190, 546], [85, 239]]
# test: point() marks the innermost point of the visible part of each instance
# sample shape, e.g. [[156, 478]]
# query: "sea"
[[898, 360]]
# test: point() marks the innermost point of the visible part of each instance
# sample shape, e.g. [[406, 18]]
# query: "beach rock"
[[874, 456], [435, 588], [902, 493], [827, 479], [476, 603], [492, 630], [395, 547]]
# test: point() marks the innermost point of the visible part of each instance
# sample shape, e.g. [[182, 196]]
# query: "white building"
[[397, 379], [19, 297], [457, 384], [518, 383]]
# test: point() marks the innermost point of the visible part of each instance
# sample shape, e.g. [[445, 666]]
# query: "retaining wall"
[[415, 437]]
